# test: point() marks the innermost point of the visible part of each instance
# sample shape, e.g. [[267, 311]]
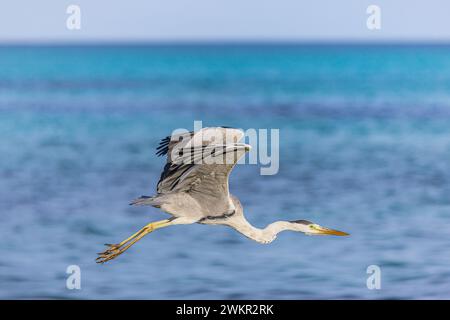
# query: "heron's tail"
[[143, 201]]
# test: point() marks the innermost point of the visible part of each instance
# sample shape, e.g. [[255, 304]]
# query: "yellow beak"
[[326, 231]]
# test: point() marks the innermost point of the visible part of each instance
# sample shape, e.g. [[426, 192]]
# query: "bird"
[[194, 188]]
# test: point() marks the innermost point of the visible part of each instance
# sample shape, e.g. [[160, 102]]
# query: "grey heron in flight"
[[193, 188]]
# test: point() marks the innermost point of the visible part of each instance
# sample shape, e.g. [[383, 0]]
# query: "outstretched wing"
[[201, 167]]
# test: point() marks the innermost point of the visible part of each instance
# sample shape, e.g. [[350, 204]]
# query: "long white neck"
[[266, 235]]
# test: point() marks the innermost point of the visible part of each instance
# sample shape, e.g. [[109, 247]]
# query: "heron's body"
[[193, 188]]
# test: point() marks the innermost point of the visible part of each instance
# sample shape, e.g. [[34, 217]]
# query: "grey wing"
[[203, 174], [185, 142]]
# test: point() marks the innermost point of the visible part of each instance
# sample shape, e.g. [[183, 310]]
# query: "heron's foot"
[[112, 252]]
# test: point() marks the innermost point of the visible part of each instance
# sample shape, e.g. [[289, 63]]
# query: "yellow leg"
[[146, 227], [116, 249]]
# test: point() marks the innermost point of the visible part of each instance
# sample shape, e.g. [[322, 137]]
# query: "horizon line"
[[223, 42]]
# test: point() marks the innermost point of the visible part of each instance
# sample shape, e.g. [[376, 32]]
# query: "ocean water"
[[364, 148]]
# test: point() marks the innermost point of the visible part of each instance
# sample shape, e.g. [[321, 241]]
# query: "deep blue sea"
[[365, 148]]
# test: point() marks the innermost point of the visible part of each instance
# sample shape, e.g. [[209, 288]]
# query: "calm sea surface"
[[365, 148]]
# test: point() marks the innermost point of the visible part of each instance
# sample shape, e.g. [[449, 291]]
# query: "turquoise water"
[[365, 148]]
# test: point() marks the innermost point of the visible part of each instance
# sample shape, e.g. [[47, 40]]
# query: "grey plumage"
[[194, 188], [186, 183]]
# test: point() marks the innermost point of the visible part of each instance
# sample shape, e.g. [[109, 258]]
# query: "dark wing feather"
[[168, 143], [171, 175], [163, 147]]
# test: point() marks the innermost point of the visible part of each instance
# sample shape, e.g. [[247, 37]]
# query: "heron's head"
[[312, 229]]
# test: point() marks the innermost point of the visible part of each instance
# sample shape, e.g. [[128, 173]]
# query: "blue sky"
[[219, 20]]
